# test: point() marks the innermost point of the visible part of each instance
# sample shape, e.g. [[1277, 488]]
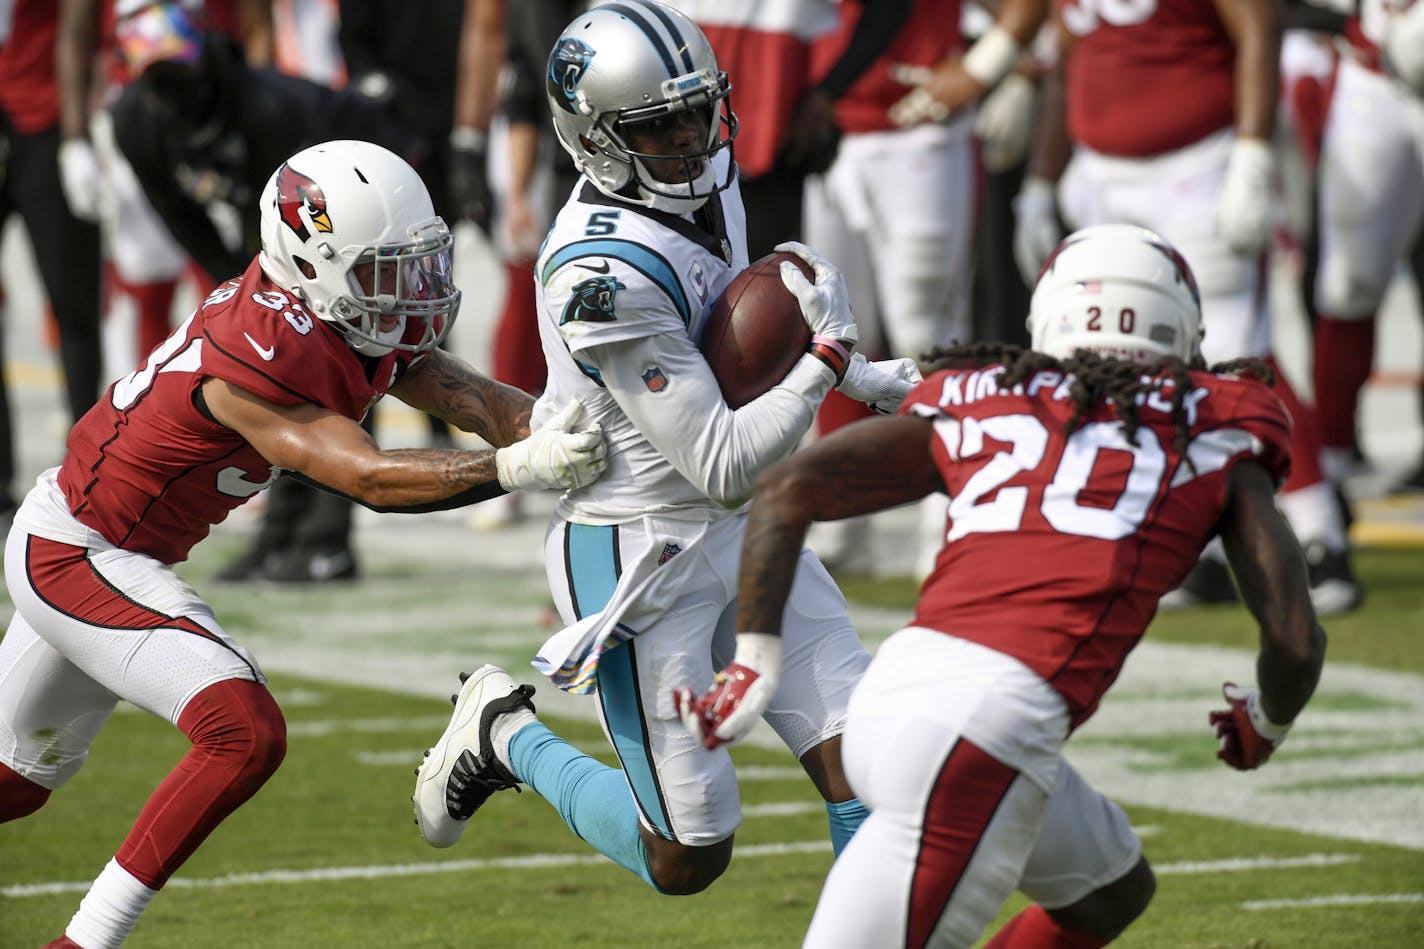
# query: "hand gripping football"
[[755, 331]]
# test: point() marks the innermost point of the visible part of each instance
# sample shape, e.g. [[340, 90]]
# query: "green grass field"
[[1298, 854]]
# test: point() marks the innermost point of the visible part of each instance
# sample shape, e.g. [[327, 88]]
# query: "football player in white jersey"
[[643, 568], [1371, 207]]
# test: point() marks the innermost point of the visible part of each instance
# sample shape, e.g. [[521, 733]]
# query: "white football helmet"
[[637, 61], [349, 227], [1117, 290]]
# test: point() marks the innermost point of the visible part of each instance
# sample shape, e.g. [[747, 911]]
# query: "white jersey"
[[623, 296]]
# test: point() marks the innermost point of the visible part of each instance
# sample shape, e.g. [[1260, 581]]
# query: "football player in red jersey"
[[1098, 464], [347, 301]]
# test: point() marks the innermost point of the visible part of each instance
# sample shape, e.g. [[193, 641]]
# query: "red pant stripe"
[[964, 798], [61, 575]]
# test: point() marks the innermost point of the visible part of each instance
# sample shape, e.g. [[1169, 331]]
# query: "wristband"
[[760, 652], [831, 352], [992, 57], [1266, 728], [467, 138]]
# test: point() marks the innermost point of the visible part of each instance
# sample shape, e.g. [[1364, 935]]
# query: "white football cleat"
[[461, 771]]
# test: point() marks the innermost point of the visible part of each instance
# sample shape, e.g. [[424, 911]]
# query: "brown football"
[[755, 331]]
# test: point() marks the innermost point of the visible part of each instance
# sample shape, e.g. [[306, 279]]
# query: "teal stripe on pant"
[[592, 560]]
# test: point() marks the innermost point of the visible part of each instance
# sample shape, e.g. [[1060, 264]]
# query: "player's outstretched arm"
[[449, 388], [1271, 573], [336, 453], [869, 466]]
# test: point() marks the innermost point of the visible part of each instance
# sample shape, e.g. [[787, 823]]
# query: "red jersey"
[[29, 91], [930, 34], [1365, 31], [766, 50], [1147, 76], [151, 472], [1059, 546]]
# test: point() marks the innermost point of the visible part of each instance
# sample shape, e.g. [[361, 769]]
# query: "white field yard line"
[[1338, 899], [1162, 697], [545, 860]]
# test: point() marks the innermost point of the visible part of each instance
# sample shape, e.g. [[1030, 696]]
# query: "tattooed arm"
[[335, 453], [449, 388], [869, 466]]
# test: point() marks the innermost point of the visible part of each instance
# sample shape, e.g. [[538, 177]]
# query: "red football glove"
[[1247, 736], [734, 703]]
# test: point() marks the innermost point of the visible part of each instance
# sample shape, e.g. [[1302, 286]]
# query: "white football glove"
[[79, 178], [555, 456], [1243, 212], [824, 304], [737, 698], [1036, 231], [1005, 122], [1403, 47], [881, 385]]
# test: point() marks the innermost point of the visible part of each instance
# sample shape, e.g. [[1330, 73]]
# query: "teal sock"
[[592, 798], [845, 817]]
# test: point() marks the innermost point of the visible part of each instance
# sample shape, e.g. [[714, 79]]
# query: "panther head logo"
[[567, 64], [296, 191], [592, 301]]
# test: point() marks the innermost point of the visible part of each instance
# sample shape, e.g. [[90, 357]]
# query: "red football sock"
[[518, 355], [1344, 353], [154, 302], [239, 739], [1035, 929], [1305, 435], [19, 796]]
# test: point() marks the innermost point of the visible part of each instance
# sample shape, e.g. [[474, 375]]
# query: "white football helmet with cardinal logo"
[[1118, 290], [349, 227]]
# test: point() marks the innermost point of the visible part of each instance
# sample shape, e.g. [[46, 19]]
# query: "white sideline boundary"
[[545, 860]]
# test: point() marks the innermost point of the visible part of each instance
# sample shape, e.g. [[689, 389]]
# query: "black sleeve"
[[1305, 15], [144, 132], [533, 27], [358, 33], [880, 22]]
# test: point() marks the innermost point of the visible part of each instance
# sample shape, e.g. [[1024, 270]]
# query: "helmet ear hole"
[[305, 267]]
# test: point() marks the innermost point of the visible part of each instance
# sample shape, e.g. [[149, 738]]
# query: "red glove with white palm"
[[734, 703], [1247, 736]]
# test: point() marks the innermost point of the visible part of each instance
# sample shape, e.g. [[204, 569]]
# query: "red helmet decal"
[[295, 191]]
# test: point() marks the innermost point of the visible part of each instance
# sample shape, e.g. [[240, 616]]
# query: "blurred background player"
[[143, 264], [787, 118], [1371, 193], [1169, 110], [955, 736], [1003, 125], [518, 176], [641, 568], [347, 300], [33, 185], [896, 209]]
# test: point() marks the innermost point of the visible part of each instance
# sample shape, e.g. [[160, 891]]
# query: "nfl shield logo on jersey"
[[669, 551], [654, 379]]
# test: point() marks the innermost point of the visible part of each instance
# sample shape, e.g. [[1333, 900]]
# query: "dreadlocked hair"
[[1095, 378]]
